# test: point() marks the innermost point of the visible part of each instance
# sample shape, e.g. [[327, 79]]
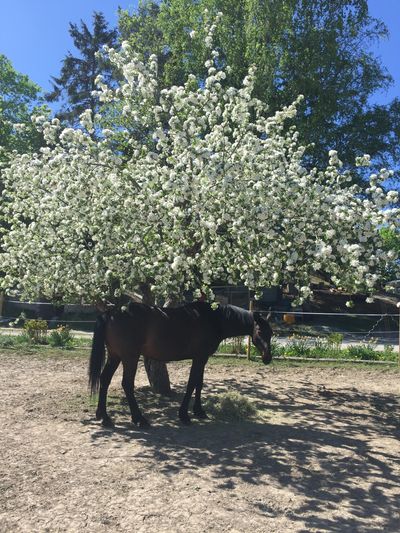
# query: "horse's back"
[[166, 334], [181, 333]]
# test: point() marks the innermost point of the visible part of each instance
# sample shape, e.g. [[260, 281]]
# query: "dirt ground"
[[324, 454]]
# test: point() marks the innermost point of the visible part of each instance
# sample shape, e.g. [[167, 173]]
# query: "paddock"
[[323, 453]]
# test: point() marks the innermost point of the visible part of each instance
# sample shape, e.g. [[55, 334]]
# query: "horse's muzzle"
[[267, 358], [264, 348]]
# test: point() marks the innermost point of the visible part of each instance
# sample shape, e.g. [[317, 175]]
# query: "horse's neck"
[[236, 322]]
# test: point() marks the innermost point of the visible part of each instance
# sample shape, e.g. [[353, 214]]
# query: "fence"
[[298, 335], [303, 336]]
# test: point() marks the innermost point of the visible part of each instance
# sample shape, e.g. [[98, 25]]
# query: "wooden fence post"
[[249, 338], [398, 355]]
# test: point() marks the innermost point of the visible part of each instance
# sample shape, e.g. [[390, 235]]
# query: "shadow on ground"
[[324, 444]]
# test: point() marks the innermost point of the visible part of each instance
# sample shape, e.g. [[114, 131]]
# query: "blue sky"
[[34, 34]]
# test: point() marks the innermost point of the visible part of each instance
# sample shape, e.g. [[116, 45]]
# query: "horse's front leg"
[[128, 379], [195, 381], [105, 379]]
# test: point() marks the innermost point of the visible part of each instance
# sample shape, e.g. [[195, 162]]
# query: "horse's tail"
[[98, 353]]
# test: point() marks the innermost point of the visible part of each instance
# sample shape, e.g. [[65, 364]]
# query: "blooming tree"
[[191, 184]]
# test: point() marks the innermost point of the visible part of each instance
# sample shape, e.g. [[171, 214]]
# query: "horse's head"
[[262, 334]]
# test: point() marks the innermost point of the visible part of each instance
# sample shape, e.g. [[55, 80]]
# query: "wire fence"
[[298, 335]]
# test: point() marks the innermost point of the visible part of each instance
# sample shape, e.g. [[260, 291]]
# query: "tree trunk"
[[157, 371], [157, 374]]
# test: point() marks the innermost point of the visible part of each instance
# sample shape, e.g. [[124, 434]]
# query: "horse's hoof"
[[107, 422], [185, 419], [200, 414], [142, 423]]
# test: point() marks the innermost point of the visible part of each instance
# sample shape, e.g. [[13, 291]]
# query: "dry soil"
[[323, 454]]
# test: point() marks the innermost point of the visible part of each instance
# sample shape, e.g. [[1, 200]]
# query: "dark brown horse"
[[192, 331]]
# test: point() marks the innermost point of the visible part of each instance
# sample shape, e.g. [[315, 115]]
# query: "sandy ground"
[[324, 454]]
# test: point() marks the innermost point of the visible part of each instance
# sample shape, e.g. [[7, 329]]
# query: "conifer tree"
[[75, 85]]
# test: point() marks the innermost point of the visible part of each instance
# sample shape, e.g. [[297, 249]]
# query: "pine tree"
[[76, 82]]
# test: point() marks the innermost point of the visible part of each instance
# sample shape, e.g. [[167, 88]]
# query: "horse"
[[193, 331]]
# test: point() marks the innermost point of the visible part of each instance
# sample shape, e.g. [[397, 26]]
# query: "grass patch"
[[230, 407], [329, 347], [24, 346], [19, 342], [58, 338]]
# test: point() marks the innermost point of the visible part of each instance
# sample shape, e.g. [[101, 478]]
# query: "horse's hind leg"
[[108, 371], [198, 410], [130, 366], [195, 379]]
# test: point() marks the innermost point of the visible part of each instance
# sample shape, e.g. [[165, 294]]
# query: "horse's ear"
[[259, 317]]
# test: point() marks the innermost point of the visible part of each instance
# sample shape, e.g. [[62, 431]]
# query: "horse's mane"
[[186, 310], [236, 314], [228, 318]]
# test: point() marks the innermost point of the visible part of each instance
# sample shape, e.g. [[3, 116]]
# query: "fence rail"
[[309, 332], [317, 313]]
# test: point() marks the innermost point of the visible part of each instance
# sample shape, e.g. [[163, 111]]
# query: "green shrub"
[[335, 340], [298, 347], [36, 329], [331, 348], [235, 345], [61, 337], [367, 352], [277, 349], [322, 348], [388, 353], [15, 341], [6, 342], [239, 345]]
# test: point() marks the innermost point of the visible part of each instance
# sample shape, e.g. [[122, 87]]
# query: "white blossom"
[[220, 193]]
